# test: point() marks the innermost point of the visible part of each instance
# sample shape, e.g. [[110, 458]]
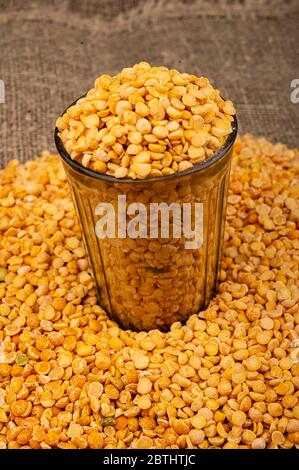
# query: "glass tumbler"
[[154, 245]]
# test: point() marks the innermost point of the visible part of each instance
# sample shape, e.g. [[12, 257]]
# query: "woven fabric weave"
[[53, 51]]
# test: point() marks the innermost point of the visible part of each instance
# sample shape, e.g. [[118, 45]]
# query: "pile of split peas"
[[146, 122], [72, 378]]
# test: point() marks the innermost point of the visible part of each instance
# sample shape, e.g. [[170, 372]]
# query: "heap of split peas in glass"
[[146, 122]]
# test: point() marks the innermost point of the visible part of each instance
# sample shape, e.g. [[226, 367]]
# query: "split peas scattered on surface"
[[229, 378]]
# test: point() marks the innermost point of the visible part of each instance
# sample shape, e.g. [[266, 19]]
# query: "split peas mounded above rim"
[[146, 122], [71, 378]]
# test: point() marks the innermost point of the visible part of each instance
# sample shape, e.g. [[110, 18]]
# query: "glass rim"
[[217, 156]]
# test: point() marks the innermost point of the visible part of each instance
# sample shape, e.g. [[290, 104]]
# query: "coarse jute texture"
[[53, 50], [71, 378]]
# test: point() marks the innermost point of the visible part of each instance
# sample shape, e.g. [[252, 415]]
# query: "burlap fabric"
[[51, 52]]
